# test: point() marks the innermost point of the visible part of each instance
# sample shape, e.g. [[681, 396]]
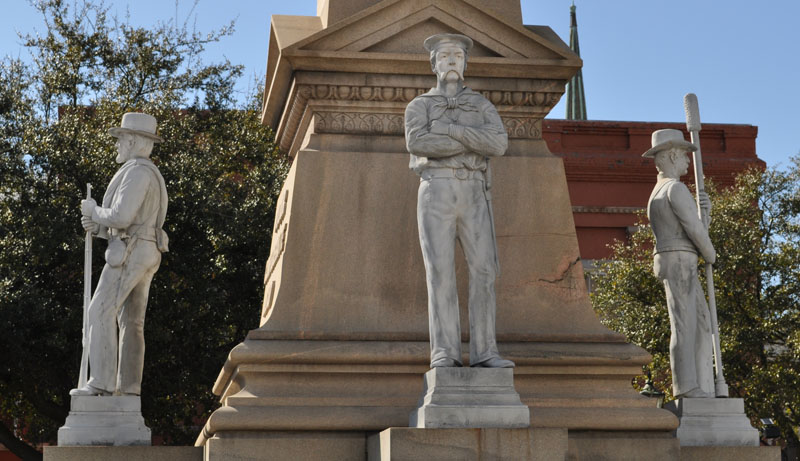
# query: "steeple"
[[576, 101]]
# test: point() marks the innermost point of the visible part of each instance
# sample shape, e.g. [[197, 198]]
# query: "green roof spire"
[[576, 101]]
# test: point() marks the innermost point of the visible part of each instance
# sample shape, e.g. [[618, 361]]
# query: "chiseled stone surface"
[[622, 446], [287, 446], [104, 420], [160, 453], [730, 453], [713, 422], [470, 398], [410, 444]]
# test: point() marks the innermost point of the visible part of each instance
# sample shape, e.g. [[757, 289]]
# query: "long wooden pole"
[[83, 376], [693, 126]]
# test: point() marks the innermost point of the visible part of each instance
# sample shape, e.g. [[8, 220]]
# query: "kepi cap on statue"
[[435, 41], [137, 123], [667, 139]]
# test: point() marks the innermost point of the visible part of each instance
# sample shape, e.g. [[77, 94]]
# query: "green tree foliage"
[[223, 175], [756, 231]]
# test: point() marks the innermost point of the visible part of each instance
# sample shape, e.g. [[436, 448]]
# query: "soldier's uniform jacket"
[[677, 226], [135, 203], [476, 131]]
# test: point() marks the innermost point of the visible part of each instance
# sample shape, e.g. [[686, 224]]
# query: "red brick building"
[[609, 181]]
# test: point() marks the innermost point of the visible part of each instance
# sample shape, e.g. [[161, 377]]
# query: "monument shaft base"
[[104, 420]]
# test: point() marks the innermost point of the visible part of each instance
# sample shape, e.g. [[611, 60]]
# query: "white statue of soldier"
[[680, 237], [131, 216], [451, 132]]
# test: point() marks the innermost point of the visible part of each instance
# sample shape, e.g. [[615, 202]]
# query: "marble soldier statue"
[[680, 236], [131, 218], [451, 132]]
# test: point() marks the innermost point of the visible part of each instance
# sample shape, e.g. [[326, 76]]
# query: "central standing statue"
[[451, 132]]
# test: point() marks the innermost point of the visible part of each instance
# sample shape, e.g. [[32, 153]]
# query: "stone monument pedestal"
[[470, 398], [713, 422], [406, 443], [104, 420]]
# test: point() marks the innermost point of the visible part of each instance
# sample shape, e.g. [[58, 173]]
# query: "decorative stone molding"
[[360, 93], [541, 99], [607, 209], [523, 127], [405, 95], [358, 123], [521, 111]]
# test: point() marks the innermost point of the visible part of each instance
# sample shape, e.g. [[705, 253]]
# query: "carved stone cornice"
[[378, 110]]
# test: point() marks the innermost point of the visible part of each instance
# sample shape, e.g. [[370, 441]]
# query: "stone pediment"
[[398, 27], [386, 38]]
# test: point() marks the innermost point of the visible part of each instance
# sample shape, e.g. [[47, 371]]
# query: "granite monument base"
[[713, 422], [405, 443], [730, 453], [470, 398], [104, 420], [286, 446], [130, 453]]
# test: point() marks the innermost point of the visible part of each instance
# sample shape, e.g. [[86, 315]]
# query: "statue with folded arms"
[[451, 133]]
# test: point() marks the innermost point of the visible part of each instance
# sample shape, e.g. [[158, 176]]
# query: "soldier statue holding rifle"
[[130, 217]]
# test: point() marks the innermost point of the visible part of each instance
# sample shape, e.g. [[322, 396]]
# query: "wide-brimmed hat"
[[667, 139], [137, 123], [435, 41]]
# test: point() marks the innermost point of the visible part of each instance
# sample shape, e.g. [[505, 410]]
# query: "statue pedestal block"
[[104, 420], [713, 422], [405, 443], [470, 398]]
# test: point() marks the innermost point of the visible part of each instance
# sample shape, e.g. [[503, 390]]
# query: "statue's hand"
[[711, 258], [705, 204], [87, 207], [438, 127], [89, 225]]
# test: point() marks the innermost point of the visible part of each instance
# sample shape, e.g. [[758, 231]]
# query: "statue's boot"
[[88, 390], [444, 362], [696, 393], [494, 362]]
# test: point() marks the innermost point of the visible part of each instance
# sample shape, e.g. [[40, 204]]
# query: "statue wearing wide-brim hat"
[[667, 139], [137, 123]]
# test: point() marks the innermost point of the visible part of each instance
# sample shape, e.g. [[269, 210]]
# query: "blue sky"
[[640, 57]]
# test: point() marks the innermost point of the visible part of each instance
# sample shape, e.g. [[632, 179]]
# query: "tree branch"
[[17, 446]]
